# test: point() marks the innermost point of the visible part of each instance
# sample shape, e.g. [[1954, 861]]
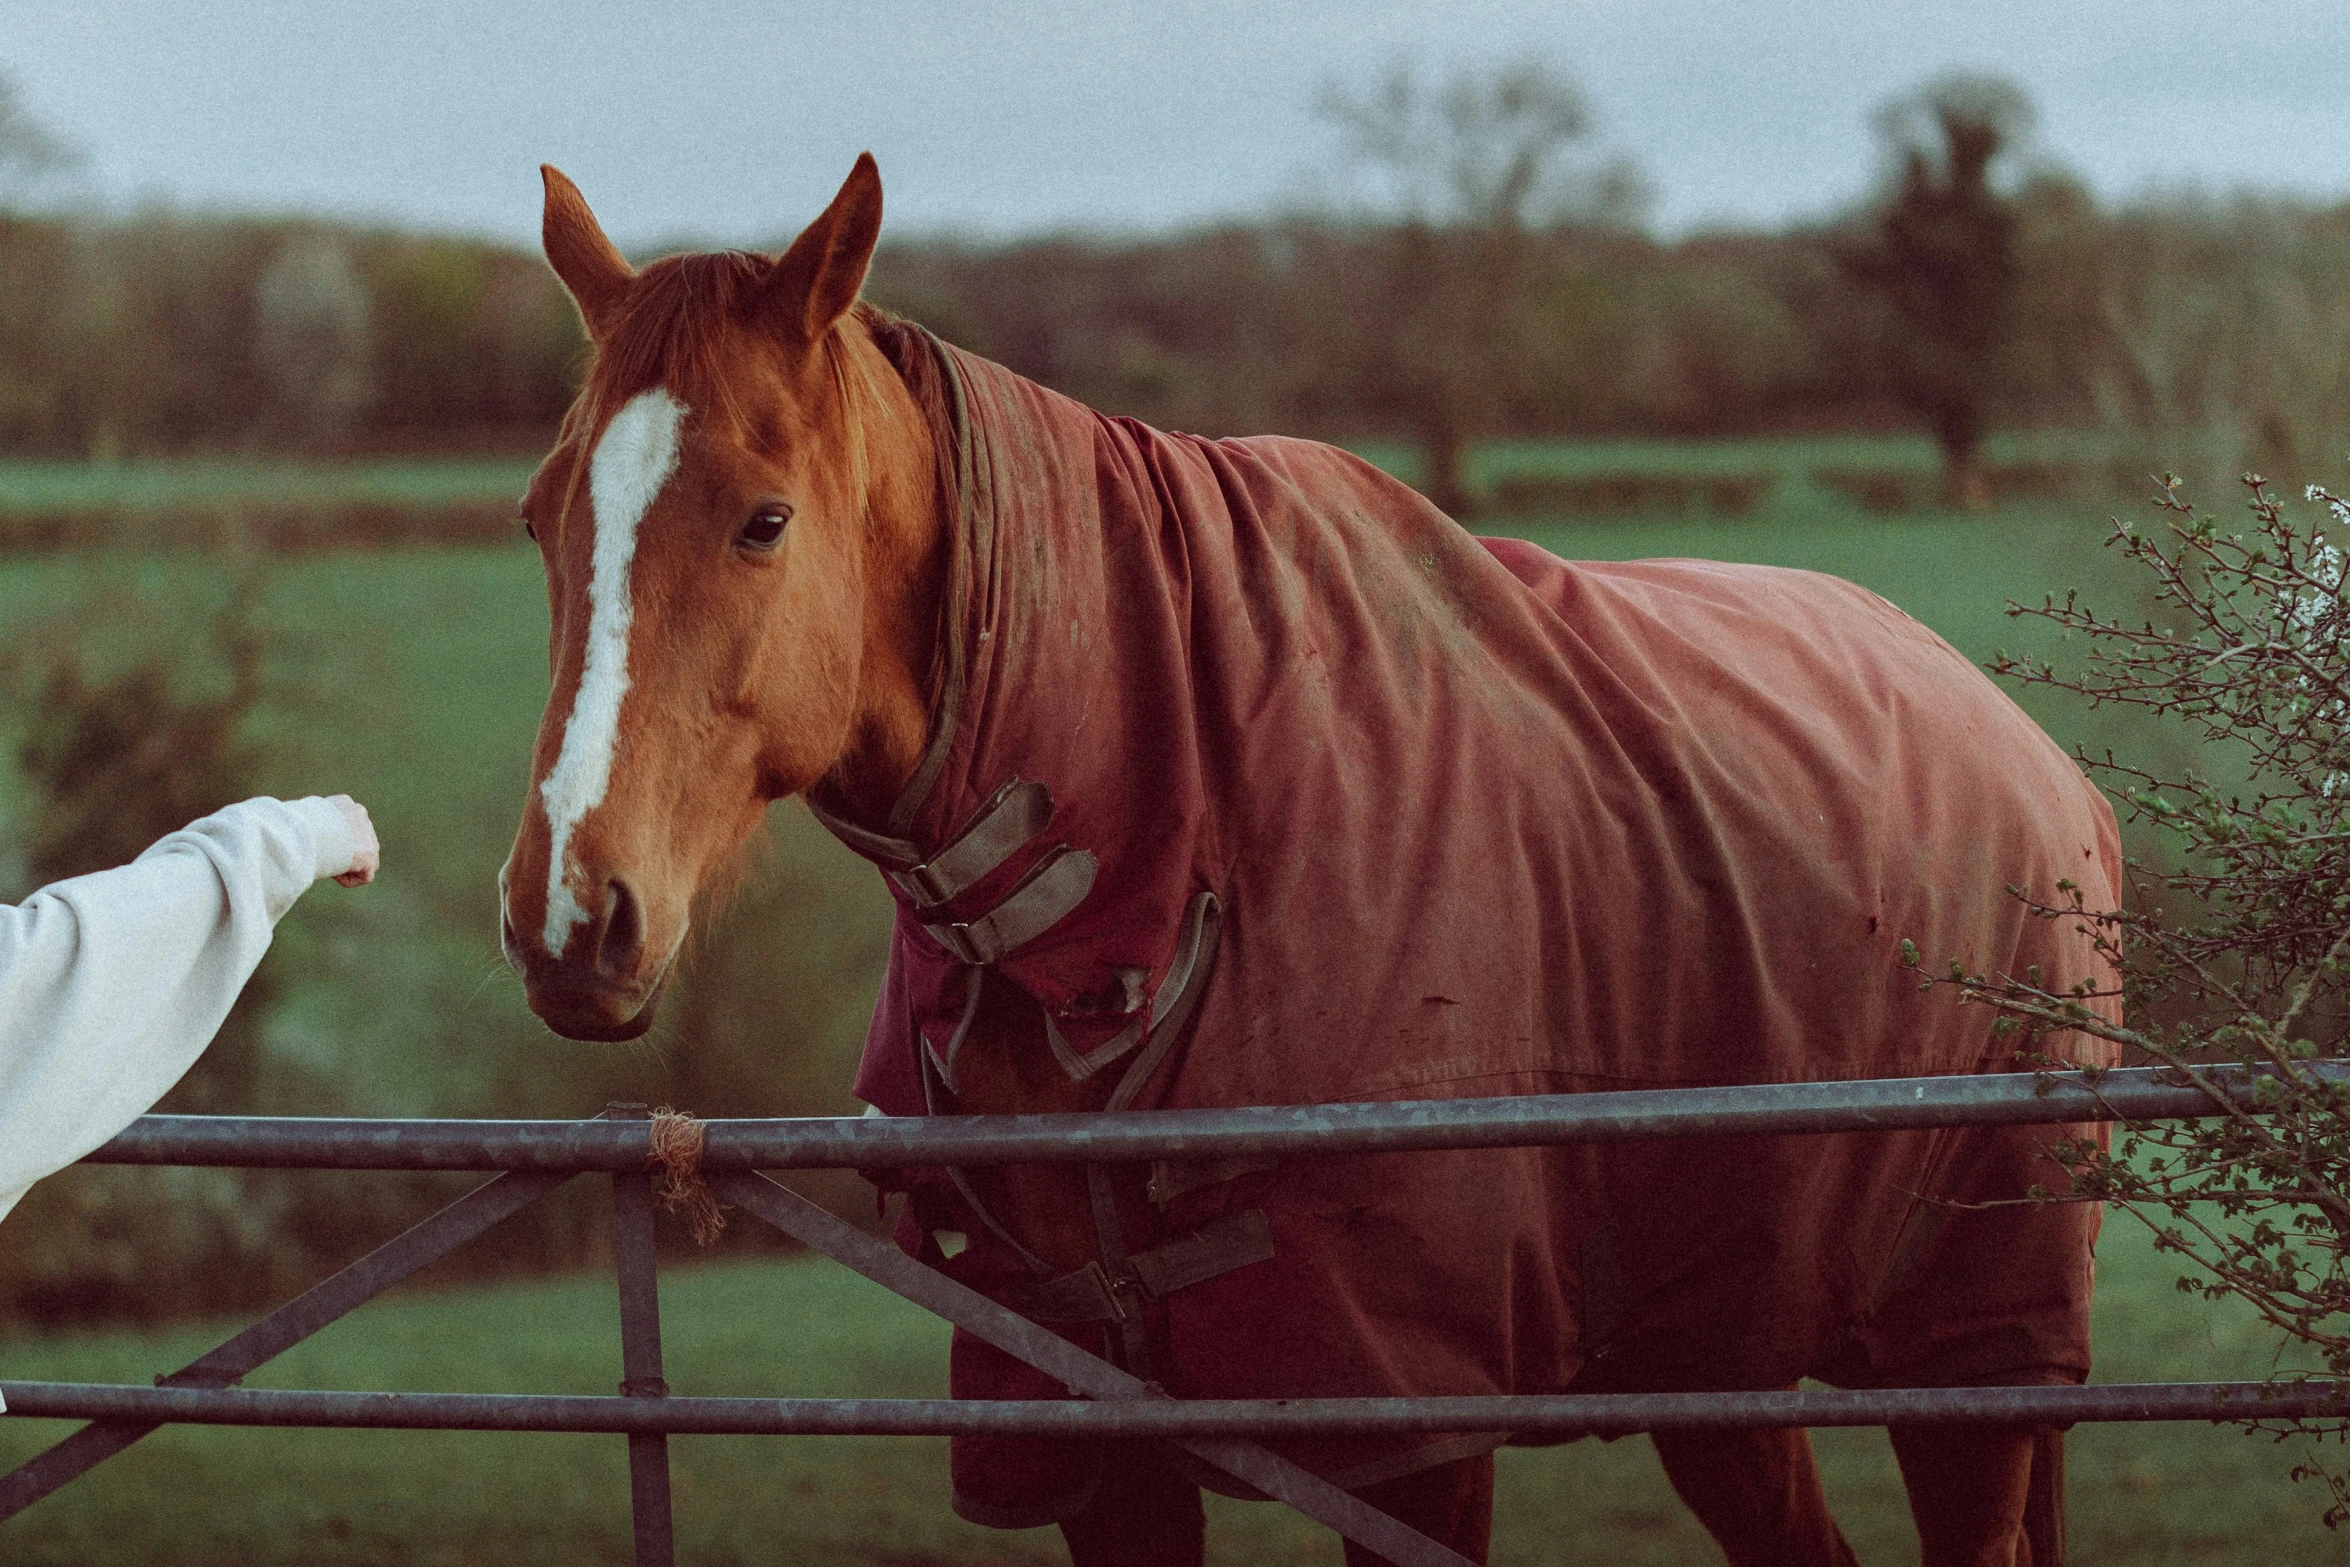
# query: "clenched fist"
[[366, 852]]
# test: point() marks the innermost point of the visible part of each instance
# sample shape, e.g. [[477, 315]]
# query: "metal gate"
[[535, 1157]]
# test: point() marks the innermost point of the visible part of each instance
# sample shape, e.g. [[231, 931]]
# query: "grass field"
[[157, 484], [37, 485], [1788, 455], [213, 1497], [413, 678]]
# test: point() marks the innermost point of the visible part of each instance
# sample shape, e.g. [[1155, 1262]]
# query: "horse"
[[1222, 772]]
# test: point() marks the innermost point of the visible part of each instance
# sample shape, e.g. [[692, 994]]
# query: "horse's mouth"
[[591, 1023], [594, 1032]]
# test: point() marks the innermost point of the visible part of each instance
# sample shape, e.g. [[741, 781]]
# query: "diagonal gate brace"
[[296, 1320], [1084, 1373]]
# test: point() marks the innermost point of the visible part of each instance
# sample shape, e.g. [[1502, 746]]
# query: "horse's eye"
[[765, 529], [531, 528]]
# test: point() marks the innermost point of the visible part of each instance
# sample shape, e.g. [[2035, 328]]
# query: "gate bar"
[[1176, 1419], [347, 1288], [1080, 1371], [883, 1142], [640, 1354]]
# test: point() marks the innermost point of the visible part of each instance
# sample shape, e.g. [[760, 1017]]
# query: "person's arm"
[[112, 984]]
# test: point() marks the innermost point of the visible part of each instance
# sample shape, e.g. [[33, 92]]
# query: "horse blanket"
[[1477, 821]]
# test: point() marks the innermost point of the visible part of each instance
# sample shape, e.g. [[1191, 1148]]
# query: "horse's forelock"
[[681, 315]]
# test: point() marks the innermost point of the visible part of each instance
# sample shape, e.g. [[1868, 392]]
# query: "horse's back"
[[1533, 823]]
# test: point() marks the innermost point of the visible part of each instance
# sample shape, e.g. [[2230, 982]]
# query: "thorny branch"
[[2234, 950]]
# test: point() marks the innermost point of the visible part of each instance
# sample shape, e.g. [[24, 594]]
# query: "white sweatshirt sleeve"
[[112, 984]]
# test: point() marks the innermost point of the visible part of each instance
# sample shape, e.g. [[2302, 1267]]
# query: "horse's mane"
[[914, 355]]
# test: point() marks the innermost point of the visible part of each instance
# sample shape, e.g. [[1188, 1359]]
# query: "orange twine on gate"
[[677, 1150]]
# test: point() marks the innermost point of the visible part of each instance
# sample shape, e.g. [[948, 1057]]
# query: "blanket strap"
[[1089, 1295], [1056, 884], [872, 845], [1201, 925], [1012, 816], [1081, 1065], [1178, 998], [1171, 1178], [1009, 820], [937, 1082], [1194, 956], [1113, 1287], [1203, 929]]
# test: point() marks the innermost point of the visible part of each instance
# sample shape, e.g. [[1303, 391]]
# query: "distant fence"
[[274, 527], [1879, 489], [535, 1157]]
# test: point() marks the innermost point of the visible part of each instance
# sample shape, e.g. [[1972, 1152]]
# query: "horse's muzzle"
[[592, 990]]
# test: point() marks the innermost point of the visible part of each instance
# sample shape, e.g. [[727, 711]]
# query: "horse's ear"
[[813, 284], [591, 268]]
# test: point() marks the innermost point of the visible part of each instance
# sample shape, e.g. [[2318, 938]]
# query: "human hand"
[[367, 854]]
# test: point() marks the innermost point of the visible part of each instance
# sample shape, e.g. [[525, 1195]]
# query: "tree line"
[[1494, 282]]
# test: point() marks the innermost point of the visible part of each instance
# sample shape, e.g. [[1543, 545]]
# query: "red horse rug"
[[1257, 780]]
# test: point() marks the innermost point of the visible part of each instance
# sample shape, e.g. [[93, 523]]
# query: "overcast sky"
[[732, 122]]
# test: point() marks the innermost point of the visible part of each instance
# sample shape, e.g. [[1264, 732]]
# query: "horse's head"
[[733, 523]]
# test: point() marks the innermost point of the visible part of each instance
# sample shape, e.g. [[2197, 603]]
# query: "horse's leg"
[[1968, 1486], [1451, 1504], [1143, 1514], [1758, 1494], [2044, 1507]]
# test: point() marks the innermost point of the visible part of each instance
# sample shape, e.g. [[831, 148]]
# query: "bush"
[[116, 751], [2236, 952]]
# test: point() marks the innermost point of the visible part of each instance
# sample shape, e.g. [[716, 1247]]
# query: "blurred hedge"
[[2217, 332], [141, 692]]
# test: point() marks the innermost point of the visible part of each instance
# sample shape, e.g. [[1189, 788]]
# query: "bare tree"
[[1458, 181], [1941, 252], [30, 153], [312, 334], [2231, 954]]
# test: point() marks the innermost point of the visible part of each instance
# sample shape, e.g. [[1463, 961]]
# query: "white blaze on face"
[[634, 459]]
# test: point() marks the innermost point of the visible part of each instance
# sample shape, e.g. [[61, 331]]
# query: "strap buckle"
[[1094, 1293], [1089, 1294], [1054, 886], [999, 829], [962, 943]]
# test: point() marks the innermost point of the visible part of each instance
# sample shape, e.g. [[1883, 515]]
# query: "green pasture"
[[1790, 456], [195, 1497], [413, 679], [163, 484]]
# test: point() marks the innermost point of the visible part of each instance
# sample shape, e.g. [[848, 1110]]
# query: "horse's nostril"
[[623, 940]]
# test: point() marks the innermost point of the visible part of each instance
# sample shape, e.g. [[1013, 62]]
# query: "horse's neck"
[[906, 556]]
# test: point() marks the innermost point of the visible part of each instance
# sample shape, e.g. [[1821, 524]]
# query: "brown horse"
[[1231, 772]]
